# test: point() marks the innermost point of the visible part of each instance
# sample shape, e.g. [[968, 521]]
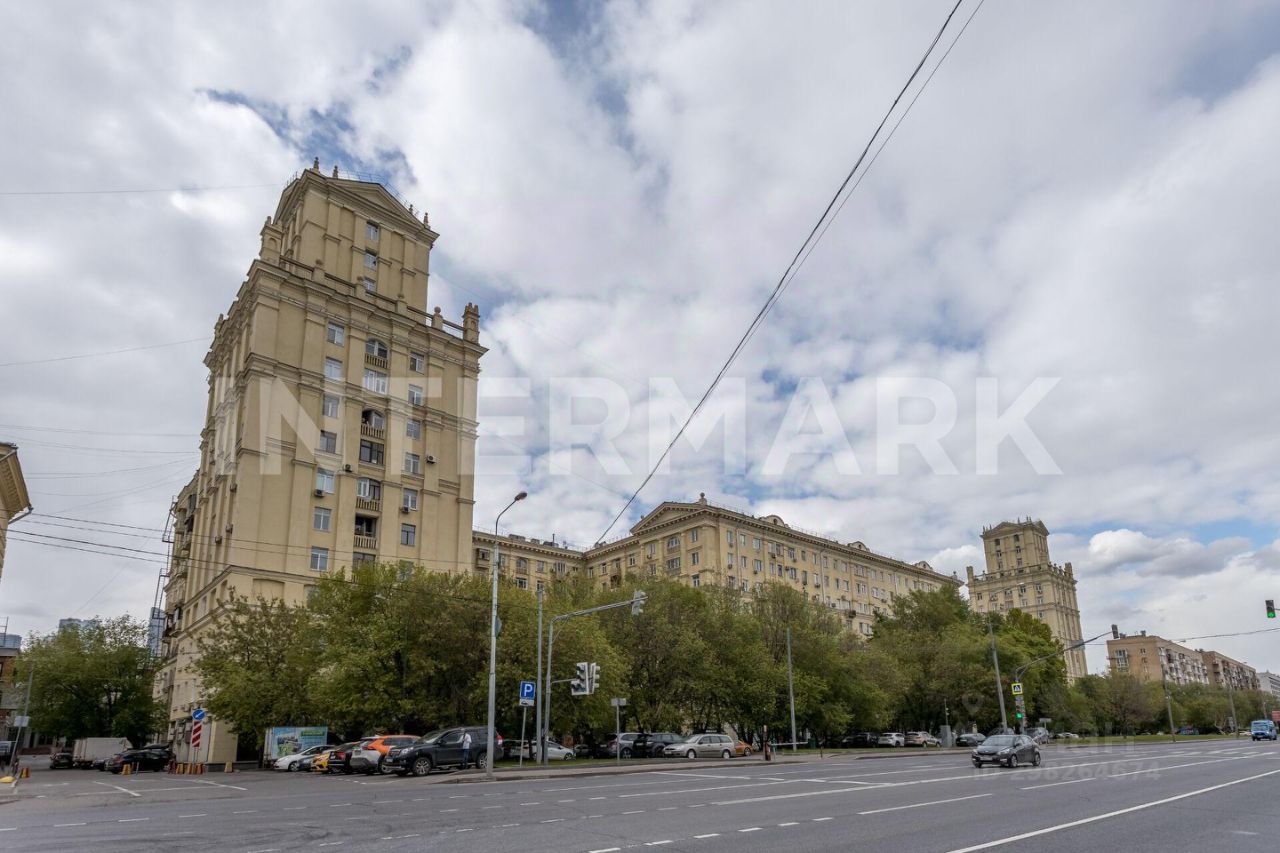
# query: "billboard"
[[290, 740]]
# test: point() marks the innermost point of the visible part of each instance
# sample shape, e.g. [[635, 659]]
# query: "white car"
[[290, 762], [892, 739], [555, 752]]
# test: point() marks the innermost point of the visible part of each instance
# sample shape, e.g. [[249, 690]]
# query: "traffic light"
[[593, 678], [1271, 609], [580, 685], [637, 602], [1115, 632]]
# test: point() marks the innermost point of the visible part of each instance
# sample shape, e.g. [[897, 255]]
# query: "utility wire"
[[136, 191], [815, 234], [102, 353]]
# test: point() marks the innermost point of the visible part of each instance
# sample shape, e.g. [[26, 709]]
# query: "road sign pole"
[[617, 731], [524, 717], [537, 680]]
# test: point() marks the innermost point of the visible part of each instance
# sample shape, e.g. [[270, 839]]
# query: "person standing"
[[466, 749]]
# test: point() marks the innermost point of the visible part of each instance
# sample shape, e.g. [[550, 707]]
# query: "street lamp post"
[[493, 639], [995, 659]]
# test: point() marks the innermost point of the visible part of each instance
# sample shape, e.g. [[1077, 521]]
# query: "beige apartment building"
[[1151, 658], [1228, 672], [706, 545], [14, 500], [1269, 682], [340, 427], [1019, 575]]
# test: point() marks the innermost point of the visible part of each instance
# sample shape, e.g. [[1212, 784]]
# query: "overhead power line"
[[136, 190], [103, 352], [806, 247]]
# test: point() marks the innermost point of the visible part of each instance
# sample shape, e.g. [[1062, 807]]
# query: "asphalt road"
[[1207, 797]]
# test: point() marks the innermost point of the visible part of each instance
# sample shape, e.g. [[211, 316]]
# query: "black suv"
[[651, 744], [151, 757], [441, 749]]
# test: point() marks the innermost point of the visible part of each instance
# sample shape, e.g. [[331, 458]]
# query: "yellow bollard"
[[228, 768], [25, 774], [126, 770]]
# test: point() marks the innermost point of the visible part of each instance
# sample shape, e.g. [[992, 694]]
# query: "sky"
[[1074, 223]]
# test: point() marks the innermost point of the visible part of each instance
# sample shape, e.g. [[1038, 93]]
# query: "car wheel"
[[726, 755], [568, 756], [422, 766], [977, 764], [383, 767], [1013, 761], [482, 761], [746, 753], [1035, 759], [294, 767], [691, 754], [626, 753]]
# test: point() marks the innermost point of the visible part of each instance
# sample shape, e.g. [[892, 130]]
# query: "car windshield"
[[432, 737], [1000, 740]]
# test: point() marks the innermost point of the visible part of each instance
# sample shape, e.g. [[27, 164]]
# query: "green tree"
[[94, 680]]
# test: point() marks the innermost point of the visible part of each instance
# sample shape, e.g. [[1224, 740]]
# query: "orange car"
[[371, 756], [742, 749]]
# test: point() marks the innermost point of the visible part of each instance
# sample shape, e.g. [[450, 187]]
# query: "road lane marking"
[[1176, 766], [1095, 818], [606, 850], [708, 835], [820, 819], [552, 820], [697, 790], [920, 805], [668, 808], [1053, 784], [118, 788], [789, 823], [750, 829], [635, 811], [657, 843], [597, 798], [61, 825], [132, 819]]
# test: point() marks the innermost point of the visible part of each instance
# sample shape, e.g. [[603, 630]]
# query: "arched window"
[[375, 347]]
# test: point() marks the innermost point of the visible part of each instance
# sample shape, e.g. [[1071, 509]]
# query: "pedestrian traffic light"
[[1271, 609], [580, 685], [593, 677]]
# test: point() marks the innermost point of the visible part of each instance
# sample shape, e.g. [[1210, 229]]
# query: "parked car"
[[920, 739], [701, 746], [584, 750], [303, 765], [62, 760], [609, 749], [861, 740], [441, 749], [147, 758], [1038, 734], [1188, 731], [335, 760], [371, 756], [892, 739], [293, 763], [555, 752], [970, 739], [651, 744], [1009, 750], [741, 749], [1066, 736]]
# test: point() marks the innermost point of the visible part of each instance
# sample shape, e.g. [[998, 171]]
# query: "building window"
[[755, 543], [412, 463], [372, 232], [695, 558], [673, 542], [759, 566], [742, 539], [366, 525], [415, 395], [977, 596], [375, 381], [372, 418], [320, 559], [696, 580], [371, 452], [631, 559], [330, 407], [324, 481], [413, 428], [370, 490], [522, 583], [333, 368], [408, 534], [336, 334], [693, 535], [320, 520], [328, 442], [410, 499], [370, 286], [370, 260], [653, 547], [406, 570], [542, 566], [375, 348], [362, 559], [417, 362], [673, 564]]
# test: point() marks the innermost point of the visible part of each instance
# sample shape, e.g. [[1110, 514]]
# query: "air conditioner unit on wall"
[[319, 493], [346, 468], [404, 510], [431, 460]]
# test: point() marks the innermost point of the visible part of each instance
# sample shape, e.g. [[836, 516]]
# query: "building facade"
[[1151, 658], [706, 545], [1019, 575], [340, 426], [1269, 682], [1228, 672], [14, 500]]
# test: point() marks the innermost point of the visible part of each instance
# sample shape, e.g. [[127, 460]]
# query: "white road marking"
[[193, 815], [1176, 766], [597, 798], [61, 825], [606, 850], [668, 808], [789, 823], [657, 843], [697, 790], [118, 788], [820, 819], [132, 819], [708, 835], [1082, 821], [468, 829], [1053, 784], [552, 820], [750, 829], [635, 811], [920, 805]]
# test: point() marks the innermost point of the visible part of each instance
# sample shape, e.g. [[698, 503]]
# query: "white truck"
[[90, 749]]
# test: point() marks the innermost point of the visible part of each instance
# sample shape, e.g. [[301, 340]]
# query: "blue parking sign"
[[527, 691]]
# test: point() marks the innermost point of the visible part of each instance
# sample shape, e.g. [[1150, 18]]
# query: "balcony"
[[366, 543], [368, 431], [375, 361], [371, 504]]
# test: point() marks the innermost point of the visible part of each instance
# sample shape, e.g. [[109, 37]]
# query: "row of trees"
[[372, 651], [376, 652]]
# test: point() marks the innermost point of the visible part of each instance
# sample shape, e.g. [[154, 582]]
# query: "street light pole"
[[537, 681], [995, 658], [493, 640], [791, 692]]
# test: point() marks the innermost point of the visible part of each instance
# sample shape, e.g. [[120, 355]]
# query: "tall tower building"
[[1019, 574], [340, 427]]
